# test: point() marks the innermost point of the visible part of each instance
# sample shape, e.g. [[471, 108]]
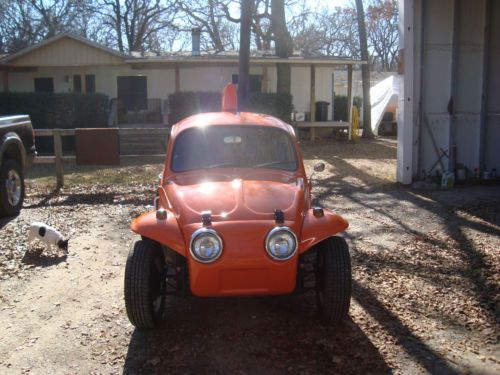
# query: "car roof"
[[229, 118]]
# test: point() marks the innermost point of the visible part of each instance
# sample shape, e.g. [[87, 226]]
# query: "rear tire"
[[145, 285], [11, 188], [333, 280]]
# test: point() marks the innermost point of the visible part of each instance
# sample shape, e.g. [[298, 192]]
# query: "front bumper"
[[244, 268]]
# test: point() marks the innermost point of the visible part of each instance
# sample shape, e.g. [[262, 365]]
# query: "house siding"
[[67, 52]]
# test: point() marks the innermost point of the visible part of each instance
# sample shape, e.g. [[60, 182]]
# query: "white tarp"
[[381, 95]]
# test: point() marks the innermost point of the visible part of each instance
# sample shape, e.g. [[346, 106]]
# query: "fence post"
[[58, 155]]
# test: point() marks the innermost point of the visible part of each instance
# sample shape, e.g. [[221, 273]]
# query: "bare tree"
[[244, 55], [325, 32], [365, 71], [57, 16], [382, 32], [213, 17], [26, 22], [17, 30], [135, 22]]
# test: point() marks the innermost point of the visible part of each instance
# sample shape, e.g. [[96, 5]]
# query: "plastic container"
[[322, 111], [448, 180]]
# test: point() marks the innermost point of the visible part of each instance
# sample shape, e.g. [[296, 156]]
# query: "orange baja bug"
[[234, 217]]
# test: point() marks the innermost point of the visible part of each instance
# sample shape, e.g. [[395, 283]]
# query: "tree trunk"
[[244, 56], [283, 43], [365, 71]]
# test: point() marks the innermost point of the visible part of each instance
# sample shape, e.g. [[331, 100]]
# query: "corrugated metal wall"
[[492, 131], [453, 72]]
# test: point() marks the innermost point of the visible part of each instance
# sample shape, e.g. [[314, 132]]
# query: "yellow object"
[[355, 123]]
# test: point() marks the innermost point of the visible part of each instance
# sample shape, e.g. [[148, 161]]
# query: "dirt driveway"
[[425, 300]]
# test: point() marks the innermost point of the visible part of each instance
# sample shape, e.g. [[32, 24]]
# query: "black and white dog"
[[48, 235]]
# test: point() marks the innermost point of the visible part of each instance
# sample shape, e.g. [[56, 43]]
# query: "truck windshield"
[[233, 146]]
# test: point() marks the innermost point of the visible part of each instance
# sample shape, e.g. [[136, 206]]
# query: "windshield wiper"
[[225, 164], [270, 163]]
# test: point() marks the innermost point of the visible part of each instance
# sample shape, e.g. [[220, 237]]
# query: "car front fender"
[[166, 232], [317, 229]]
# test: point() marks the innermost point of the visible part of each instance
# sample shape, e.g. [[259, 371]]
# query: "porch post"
[[83, 80], [5, 78], [312, 97], [177, 79], [264, 78], [349, 99]]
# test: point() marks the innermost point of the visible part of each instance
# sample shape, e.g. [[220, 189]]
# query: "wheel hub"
[[13, 186]]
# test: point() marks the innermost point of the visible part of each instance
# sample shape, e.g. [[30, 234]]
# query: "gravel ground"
[[425, 283]]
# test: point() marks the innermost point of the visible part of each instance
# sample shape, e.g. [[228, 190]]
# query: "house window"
[[133, 92], [89, 83], [254, 84], [44, 85]]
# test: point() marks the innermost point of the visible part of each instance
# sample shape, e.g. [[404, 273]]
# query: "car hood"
[[235, 198]]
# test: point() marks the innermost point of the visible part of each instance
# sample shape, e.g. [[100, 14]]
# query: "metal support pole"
[[349, 99], [312, 98], [485, 80], [454, 82], [59, 161], [83, 81], [244, 55], [177, 79]]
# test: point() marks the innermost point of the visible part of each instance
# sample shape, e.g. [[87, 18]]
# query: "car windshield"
[[233, 146]]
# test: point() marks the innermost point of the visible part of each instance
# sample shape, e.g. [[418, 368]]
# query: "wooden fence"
[[59, 159]]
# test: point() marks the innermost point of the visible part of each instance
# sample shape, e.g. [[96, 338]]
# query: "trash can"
[[322, 111]]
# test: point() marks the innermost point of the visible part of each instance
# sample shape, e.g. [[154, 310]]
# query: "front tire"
[[333, 280], [11, 188], [145, 285]]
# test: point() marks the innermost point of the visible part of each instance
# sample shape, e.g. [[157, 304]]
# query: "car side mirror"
[[320, 167]]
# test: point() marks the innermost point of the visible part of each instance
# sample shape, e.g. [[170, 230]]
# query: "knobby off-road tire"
[[333, 280], [11, 188], [145, 284]]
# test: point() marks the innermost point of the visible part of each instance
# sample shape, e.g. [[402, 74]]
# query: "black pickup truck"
[[17, 151]]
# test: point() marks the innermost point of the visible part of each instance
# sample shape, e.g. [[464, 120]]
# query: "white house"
[[69, 63]]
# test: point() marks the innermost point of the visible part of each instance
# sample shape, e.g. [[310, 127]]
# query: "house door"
[[133, 92]]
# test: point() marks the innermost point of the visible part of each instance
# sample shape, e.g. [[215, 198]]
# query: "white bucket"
[[448, 180]]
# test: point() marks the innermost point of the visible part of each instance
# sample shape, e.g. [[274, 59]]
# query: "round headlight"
[[281, 243], [206, 245]]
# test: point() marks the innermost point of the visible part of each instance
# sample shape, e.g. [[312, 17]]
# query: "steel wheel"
[[13, 186]]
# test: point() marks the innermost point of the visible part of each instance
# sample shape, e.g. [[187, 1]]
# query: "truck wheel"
[[11, 188], [145, 284], [333, 280]]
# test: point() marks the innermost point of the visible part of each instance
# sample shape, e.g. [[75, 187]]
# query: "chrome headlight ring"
[[206, 233], [291, 236]]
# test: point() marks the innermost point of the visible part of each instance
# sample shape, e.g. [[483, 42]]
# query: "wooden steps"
[[143, 141]]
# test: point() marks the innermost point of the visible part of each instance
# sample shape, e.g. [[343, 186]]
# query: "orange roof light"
[[230, 98]]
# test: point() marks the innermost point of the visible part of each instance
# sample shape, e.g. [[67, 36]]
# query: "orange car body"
[[242, 202]]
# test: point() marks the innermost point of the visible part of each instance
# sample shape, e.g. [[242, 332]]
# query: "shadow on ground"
[[57, 199], [40, 259], [251, 335]]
